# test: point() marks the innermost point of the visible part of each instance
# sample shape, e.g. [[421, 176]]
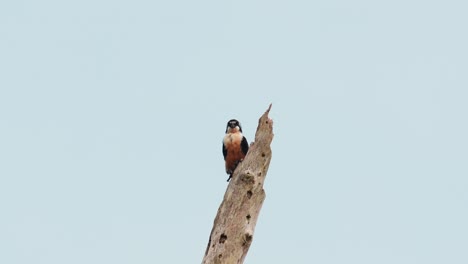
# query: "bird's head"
[[233, 126]]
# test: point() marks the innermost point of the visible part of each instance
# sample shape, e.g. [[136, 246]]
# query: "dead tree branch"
[[234, 225]]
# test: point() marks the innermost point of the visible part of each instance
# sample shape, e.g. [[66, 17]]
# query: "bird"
[[235, 146]]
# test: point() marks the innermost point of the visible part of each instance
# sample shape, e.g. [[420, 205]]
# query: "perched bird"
[[235, 146]]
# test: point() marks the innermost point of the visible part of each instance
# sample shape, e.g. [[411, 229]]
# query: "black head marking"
[[232, 124]]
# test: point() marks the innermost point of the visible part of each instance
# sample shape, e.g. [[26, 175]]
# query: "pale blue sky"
[[112, 115]]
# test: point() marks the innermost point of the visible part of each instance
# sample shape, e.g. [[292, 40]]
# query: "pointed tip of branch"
[[266, 112], [265, 120]]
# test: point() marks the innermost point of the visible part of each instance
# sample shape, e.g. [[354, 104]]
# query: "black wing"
[[244, 146], [224, 151]]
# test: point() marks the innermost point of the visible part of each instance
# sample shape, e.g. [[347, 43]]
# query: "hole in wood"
[[248, 178], [247, 239], [249, 194], [248, 218], [222, 238]]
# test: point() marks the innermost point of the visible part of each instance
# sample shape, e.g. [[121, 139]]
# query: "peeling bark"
[[234, 225]]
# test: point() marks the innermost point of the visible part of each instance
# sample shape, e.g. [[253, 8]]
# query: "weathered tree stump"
[[234, 225]]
